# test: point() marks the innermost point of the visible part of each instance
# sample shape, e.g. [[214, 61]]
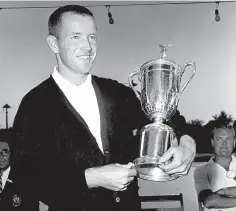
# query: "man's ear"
[[52, 43], [212, 142]]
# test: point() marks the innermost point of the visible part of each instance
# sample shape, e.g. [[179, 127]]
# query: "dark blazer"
[[54, 146], [15, 199]]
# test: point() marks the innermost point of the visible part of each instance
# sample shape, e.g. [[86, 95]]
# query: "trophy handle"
[[131, 75], [184, 68]]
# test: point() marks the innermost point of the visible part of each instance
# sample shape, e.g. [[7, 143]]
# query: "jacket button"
[[117, 199], [22, 153]]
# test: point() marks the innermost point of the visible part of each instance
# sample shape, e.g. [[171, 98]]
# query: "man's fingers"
[[183, 172], [166, 156], [183, 165], [176, 168], [174, 156], [130, 179], [123, 186], [123, 189], [132, 172], [128, 166], [171, 167]]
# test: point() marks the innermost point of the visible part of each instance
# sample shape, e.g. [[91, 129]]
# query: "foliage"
[[196, 122], [202, 133]]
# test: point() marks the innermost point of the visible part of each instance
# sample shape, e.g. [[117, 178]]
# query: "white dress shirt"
[[218, 179], [84, 101], [4, 176]]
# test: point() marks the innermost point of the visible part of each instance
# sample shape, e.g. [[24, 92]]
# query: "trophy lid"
[[162, 62]]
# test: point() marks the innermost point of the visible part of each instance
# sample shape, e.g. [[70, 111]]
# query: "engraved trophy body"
[[160, 92]]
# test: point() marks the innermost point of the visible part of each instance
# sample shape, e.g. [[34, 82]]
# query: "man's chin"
[[85, 70], [84, 67], [225, 153]]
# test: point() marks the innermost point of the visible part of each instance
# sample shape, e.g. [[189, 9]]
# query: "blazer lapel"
[[102, 111], [107, 115]]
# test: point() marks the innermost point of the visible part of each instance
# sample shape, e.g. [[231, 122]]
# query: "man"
[[12, 197], [75, 131], [215, 181]]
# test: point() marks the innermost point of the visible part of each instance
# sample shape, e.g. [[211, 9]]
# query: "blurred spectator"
[[12, 196]]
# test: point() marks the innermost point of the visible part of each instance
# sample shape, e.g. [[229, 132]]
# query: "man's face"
[[4, 155], [223, 142], [77, 43]]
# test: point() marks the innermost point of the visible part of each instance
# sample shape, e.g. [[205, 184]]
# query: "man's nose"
[[86, 45], [225, 142]]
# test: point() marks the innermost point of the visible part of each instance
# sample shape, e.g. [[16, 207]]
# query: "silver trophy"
[[160, 92]]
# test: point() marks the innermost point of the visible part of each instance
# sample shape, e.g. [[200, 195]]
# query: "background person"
[[12, 194], [215, 181]]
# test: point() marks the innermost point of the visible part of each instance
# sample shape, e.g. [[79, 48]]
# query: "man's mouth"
[[224, 149], [84, 57]]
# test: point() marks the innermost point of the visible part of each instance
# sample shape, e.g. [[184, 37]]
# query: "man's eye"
[[4, 152], [75, 37], [93, 37]]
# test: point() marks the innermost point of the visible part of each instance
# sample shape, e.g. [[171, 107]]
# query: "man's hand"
[[178, 159], [218, 201], [210, 201], [227, 192], [221, 191], [114, 177]]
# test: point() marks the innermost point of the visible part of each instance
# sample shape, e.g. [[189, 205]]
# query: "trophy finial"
[[164, 48]]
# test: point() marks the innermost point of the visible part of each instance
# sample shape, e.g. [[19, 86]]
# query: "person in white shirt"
[[75, 130], [215, 181]]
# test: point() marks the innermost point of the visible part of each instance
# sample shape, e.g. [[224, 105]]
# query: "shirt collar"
[[6, 172], [61, 81], [211, 161]]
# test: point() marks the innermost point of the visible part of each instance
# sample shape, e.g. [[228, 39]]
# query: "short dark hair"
[[55, 18], [222, 125]]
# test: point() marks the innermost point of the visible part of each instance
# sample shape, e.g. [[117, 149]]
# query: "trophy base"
[[152, 171]]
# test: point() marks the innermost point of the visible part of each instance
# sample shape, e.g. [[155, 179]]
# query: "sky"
[[123, 47]]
